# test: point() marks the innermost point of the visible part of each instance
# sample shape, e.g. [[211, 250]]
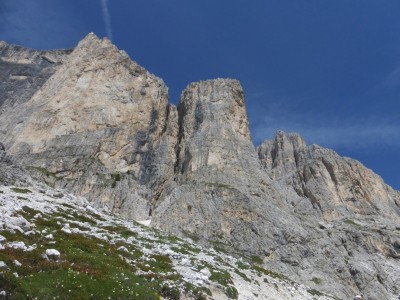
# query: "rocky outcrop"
[[219, 193], [11, 173], [357, 235], [336, 186], [101, 127]]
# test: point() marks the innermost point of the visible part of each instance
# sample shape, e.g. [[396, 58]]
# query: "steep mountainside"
[[101, 127]]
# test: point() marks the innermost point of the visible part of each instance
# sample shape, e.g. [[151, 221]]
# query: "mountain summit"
[[94, 123]]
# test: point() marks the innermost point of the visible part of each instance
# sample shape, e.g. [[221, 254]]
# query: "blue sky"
[[329, 70]]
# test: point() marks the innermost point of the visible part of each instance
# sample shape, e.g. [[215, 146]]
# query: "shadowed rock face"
[[23, 71], [96, 123]]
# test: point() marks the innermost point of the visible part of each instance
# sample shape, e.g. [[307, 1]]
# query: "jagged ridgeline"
[[94, 123]]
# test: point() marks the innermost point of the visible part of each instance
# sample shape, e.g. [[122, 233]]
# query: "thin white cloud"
[[333, 131], [393, 79], [107, 18]]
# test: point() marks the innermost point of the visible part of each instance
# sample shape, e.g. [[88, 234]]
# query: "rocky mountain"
[[96, 124], [55, 245]]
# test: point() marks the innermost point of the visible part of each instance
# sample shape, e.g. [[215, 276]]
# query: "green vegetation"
[[20, 190], [44, 171], [316, 280], [123, 231], [88, 267], [351, 222], [219, 185], [171, 293], [231, 292], [192, 236], [256, 259], [315, 292], [115, 177], [270, 273]]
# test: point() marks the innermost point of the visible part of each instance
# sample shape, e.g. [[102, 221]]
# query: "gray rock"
[[3, 266], [23, 71], [302, 211], [122, 138]]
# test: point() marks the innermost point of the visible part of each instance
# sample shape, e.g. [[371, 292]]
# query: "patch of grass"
[[200, 293], [95, 216], [171, 293], [29, 212], [20, 190], [256, 260], [68, 206], [242, 266], [316, 280], [123, 231], [221, 277], [219, 185], [47, 223], [314, 292], [351, 222], [115, 177], [44, 171], [270, 273], [242, 275], [88, 268], [82, 218], [192, 236], [22, 198], [231, 292]]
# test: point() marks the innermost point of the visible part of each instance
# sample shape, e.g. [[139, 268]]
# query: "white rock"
[[145, 222], [3, 265], [66, 230], [49, 236], [2, 239], [15, 274], [3, 293], [17, 245], [123, 248], [205, 272], [17, 263], [52, 252], [185, 262]]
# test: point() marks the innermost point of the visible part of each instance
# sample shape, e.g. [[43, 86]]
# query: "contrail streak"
[[106, 18]]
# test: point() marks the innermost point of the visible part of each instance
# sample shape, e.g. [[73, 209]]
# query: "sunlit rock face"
[[100, 126], [337, 187], [97, 124]]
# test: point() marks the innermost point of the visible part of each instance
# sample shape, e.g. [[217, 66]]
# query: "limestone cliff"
[[357, 213], [337, 187], [219, 193], [94, 122], [101, 126]]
